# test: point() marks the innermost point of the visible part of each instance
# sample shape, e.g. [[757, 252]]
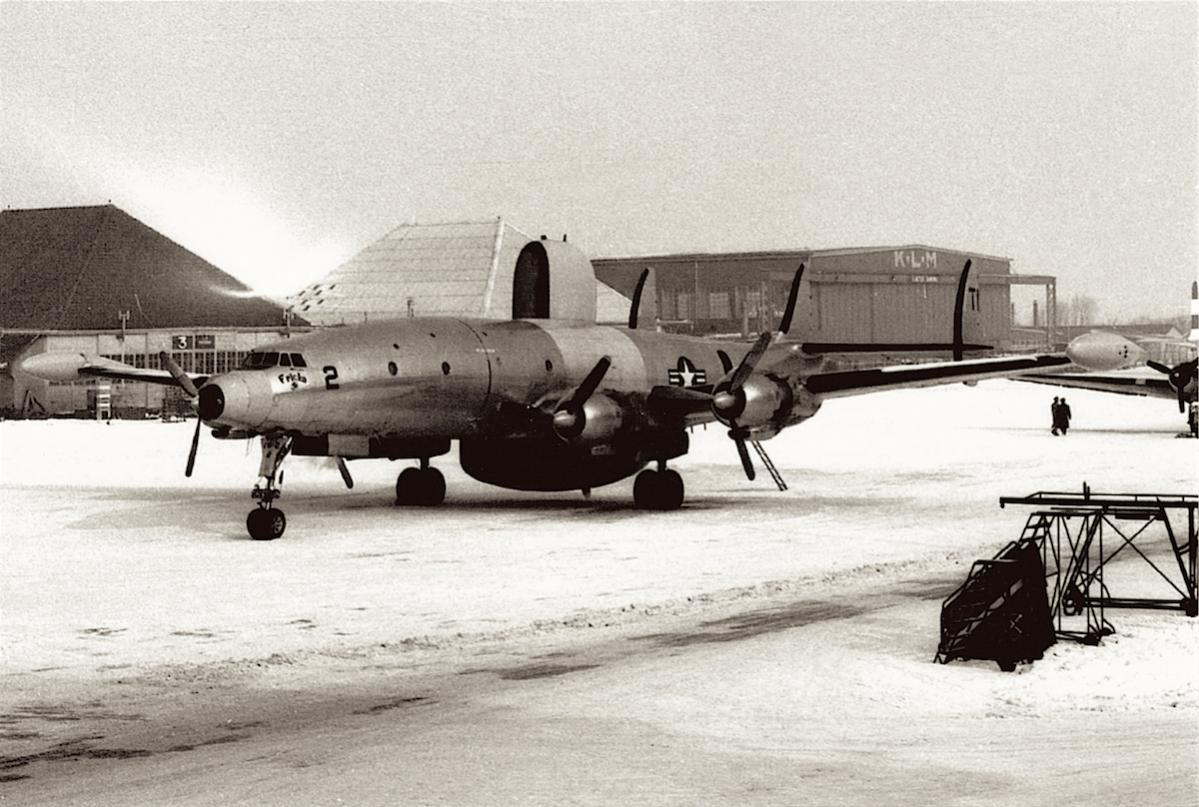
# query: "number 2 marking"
[[330, 377]]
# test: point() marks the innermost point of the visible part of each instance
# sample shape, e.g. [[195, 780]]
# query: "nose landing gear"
[[267, 523], [424, 486]]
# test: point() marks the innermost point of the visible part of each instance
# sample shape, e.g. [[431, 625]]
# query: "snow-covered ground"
[[754, 646]]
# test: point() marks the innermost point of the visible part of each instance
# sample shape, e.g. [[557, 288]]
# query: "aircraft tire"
[[432, 487], [670, 490], [658, 490], [408, 486], [645, 490], [266, 524]]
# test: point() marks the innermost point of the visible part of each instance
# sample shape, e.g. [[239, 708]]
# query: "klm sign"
[[914, 259]]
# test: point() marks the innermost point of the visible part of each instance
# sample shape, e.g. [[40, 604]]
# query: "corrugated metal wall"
[[903, 294]]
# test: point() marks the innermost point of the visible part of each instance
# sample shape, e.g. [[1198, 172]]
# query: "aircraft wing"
[[71, 366], [843, 383], [1158, 387]]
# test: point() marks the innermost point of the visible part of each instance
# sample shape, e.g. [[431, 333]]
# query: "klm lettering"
[[914, 259]]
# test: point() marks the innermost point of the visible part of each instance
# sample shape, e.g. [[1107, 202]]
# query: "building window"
[[718, 305], [683, 311], [666, 306]]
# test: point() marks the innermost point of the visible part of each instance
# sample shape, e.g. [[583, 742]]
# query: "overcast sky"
[[277, 141]]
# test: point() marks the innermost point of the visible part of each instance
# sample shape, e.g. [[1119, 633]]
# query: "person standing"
[[1064, 409], [1055, 415]]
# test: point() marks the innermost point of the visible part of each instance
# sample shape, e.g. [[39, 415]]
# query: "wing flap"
[[1121, 385]]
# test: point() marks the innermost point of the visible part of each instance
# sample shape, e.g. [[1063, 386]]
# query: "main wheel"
[[407, 486], [645, 489], [420, 487], [658, 490], [670, 490], [266, 524], [432, 487]]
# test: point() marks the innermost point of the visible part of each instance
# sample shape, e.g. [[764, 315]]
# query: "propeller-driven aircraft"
[[541, 402], [1180, 382]]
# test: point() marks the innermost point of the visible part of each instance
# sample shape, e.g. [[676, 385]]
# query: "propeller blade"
[[177, 373], [1161, 368], [743, 452], [191, 455], [635, 308], [1180, 377], [589, 385], [959, 313], [750, 361], [725, 361], [345, 473], [789, 312]]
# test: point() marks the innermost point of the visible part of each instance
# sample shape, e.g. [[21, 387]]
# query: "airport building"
[[872, 294], [96, 280]]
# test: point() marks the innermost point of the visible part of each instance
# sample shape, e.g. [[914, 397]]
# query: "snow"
[[767, 638]]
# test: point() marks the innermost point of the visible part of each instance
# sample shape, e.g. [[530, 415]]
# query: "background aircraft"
[[1179, 382], [548, 401]]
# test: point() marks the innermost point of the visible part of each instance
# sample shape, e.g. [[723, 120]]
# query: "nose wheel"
[[265, 523], [424, 486], [658, 490]]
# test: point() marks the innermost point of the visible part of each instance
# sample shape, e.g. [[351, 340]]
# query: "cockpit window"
[[260, 359]]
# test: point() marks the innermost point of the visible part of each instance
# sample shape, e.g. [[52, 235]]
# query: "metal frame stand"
[[1081, 533]]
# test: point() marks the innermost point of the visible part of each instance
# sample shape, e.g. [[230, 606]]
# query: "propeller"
[[635, 308], [187, 385], [345, 473], [728, 402], [568, 418], [1179, 377]]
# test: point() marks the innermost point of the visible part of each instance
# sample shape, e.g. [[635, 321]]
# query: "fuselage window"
[[284, 360], [392, 368], [270, 359], [297, 360]]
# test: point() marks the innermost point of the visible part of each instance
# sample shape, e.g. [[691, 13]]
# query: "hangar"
[[867, 294], [96, 280], [465, 268]]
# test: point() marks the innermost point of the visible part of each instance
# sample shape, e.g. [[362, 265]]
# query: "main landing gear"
[[265, 523], [423, 486], [660, 489]]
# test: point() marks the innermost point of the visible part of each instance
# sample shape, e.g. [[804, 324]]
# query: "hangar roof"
[[440, 269], [77, 268], [416, 269], [803, 253]]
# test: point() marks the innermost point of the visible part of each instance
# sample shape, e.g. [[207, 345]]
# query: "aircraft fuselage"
[[449, 377]]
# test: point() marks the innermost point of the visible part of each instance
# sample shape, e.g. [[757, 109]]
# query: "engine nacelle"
[[760, 401], [60, 366], [597, 421]]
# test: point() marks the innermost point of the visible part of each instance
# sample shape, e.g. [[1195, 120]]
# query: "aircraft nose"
[[212, 402], [1102, 351], [227, 399]]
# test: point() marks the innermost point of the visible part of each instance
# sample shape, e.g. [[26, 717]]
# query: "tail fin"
[[967, 312], [1194, 337]]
